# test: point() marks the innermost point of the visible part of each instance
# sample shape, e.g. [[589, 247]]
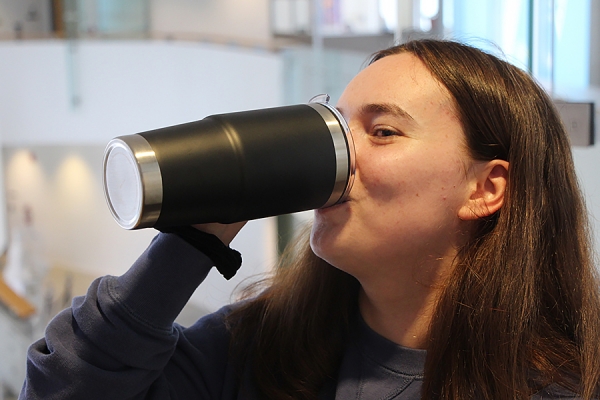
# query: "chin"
[[320, 240], [329, 234], [325, 244]]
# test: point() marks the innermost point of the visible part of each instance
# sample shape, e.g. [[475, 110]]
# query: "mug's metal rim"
[[149, 181], [344, 149]]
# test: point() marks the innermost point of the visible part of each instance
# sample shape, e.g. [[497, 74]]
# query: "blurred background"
[[76, 73]]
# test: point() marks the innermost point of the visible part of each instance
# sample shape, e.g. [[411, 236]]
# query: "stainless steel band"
[[344, 151], [132, 182]]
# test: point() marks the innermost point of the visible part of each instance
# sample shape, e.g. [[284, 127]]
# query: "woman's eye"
[[382, 132]]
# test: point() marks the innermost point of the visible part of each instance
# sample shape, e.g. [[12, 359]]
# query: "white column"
[[408, 16]]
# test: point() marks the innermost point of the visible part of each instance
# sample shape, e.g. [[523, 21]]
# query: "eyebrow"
[[386, 108]]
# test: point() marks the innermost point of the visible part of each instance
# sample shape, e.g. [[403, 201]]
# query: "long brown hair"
[[521, 309]]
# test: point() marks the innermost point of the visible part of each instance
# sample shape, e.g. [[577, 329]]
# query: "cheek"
[[392, 182], [415, 184], [448, 189], [382, 177]]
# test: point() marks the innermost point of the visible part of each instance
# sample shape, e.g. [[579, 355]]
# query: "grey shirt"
[[376, 368]]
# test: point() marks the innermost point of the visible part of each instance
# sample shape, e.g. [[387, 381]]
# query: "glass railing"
[[308, 72]]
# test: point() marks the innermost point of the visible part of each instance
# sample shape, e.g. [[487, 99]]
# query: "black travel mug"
[[231, 167]]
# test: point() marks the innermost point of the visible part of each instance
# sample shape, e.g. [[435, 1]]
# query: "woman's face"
[[411, 173]]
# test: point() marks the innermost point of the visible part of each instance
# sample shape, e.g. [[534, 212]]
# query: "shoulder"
[[203, 355], [202, 350], [213, 325]]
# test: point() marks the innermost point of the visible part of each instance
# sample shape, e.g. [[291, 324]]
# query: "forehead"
[[400, 79]]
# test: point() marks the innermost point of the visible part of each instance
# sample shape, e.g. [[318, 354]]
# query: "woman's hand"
[[225, 232]]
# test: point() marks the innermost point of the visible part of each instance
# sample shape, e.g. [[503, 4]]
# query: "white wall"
[[125, 87], [53, 149]]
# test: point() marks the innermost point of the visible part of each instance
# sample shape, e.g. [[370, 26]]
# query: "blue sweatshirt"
[[120, 342]]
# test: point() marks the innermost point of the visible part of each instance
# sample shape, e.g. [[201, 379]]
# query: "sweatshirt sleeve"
[[120, 340]]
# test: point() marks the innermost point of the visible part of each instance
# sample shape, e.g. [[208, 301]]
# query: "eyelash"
[[386, 132]]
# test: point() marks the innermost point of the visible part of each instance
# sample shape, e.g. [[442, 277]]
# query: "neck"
[[400, 309]]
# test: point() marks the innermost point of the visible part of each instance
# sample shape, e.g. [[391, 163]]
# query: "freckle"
[[417, 194]]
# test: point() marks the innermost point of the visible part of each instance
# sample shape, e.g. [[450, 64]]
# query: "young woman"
[[460, 267]]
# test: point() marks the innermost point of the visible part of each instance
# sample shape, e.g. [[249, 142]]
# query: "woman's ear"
[[489, 184]]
